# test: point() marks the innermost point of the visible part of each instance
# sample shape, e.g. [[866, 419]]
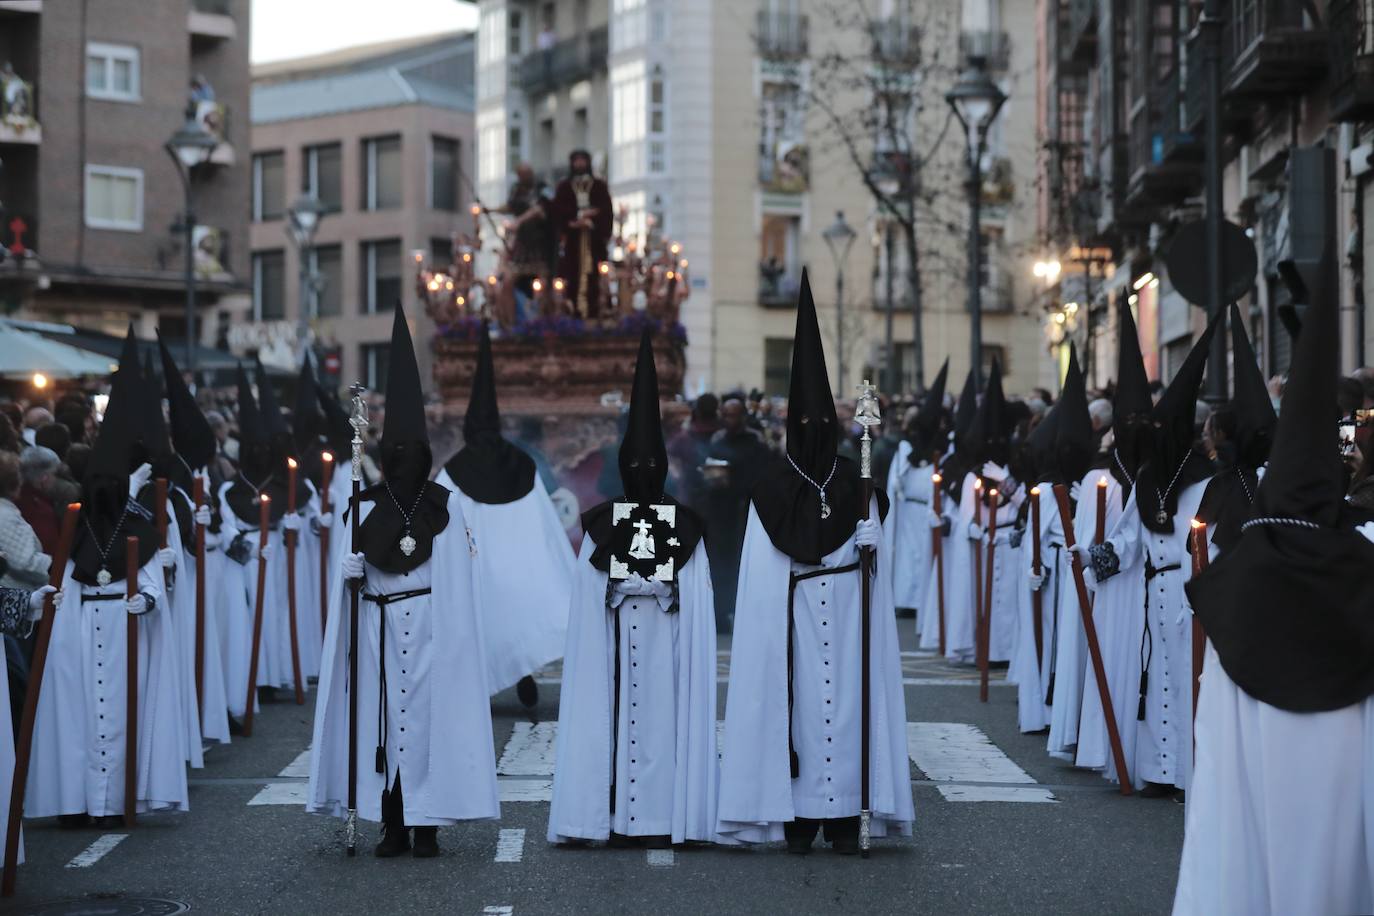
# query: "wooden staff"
[[328, 459], [1061, 495], [131, 686], [24, 746], [937, 550], [1200, 562], [198, 497], [264, 521], [984, 632], [1037, 596], [290, 537], [977, 548]]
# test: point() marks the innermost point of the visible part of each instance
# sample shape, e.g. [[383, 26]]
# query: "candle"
[[1035, 529], [290, 485], [1199, 545], [936, 497], [1101, 530]]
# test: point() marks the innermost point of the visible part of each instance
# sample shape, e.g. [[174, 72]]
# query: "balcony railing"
[[18, 114], [1082, 37], [1351, 31], [895, 43], [567, 62], [781, 35], [1272, 47], [777, 286], [1163, 155]]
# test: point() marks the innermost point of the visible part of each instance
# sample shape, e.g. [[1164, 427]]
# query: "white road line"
[[525, 790], [281, 793], [959, 754], [300, 767], [97, 850], [498, 911], [529, 751], [659, 858], [510, 845]]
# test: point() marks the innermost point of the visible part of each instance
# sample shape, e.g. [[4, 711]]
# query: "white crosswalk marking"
[[525, 790], [960, 754], [660, 858], [510, 845], [97, 850], [300, 767], [498, 911], [281, 793], [529, 751]]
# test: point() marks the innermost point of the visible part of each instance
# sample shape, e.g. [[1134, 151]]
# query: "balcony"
[[214, 119], [570, 61], [778, 288], [1081, 40], [1164, 157], [1272, 48], [1351, 53], [782, 36], [18, 116], [212, 20], [895, 44]]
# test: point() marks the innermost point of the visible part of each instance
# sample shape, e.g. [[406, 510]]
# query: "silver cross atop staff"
[[867, 415], [358, 420]]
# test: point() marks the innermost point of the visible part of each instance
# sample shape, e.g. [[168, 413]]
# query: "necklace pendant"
[[825, 510], [103, 578], [1162, 517], [407, 545]]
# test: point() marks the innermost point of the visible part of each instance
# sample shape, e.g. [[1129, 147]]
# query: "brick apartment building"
[[91, 94]]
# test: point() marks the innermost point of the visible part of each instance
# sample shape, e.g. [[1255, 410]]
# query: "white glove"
[[935, 521], [353, 566], [994, 471], [1367, 529], [137, 605], [635, 585], [139, 478], [975, 531], [1076, 490], [867, 533], [211, 541], [203, 516], [1037, 582], [36, 601], [326, 519], [167, 557], [291, 521]]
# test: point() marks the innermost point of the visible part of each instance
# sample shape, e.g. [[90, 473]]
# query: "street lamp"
[[839, 238], [191, 146], [302, 222], [975, 101]]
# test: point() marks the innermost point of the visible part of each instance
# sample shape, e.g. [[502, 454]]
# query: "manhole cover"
[[112, 906]]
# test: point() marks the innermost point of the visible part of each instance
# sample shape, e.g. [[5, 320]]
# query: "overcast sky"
[[296, 28]]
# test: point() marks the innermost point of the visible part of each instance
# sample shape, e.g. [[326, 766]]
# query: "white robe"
[[213, 721], [78, 738], [906, 530], [1032, 678], [1008, 582], [757, 794], [936, 595], [7, 759], [960, 631], [438, 719], [665, 748], [524, 618], [1280, 816]]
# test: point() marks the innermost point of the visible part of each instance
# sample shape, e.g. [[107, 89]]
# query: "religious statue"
[[581, 213]]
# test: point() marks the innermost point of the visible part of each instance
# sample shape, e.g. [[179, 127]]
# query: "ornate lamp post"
[[839, 238], [191, 146], [975, 100], [302, 222]]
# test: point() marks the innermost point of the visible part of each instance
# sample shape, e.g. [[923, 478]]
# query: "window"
[[374, 362], [627, 24], [658, 149], [114, 198], [443, 173], [783, 156], [112, 72], [491, 155], [322, 175], [779, 260], [269, 186], [381, 275], [269, 285], [777, 365], [326, 263], [628, 121], [514, 32], [382, 173], [440, 253], [513, 148]]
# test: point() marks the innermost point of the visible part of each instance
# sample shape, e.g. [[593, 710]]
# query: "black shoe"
[[658, 842], [235, 727], [527, 691], [267, 694], [800, 834], [73, 821], [426, 843], [1157, 790], [395, 842], [1180, 796], [799, 846], [845, 845], [619, 841]]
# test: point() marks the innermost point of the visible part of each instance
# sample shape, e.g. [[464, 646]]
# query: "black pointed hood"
[[259, 472], [1255, 417], [252, 430], [1173, 461], [966, 409], [337, 431], [406, 464], [488, 468], [989, 436], [192, 436], [154, 437], [305, 417], [1132, 406], [1075, 445], [273, 420], [105, 489], [643, 461], [789, 504], [925, 436], [1288, 608]]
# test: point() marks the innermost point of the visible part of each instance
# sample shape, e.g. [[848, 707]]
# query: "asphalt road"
[[1061, 841]]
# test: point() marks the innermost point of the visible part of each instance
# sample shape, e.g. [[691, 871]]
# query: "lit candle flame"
[[1198, 524], [1035, 491], [936, 479], [476, 210], [326, 457], [266, 498], [492, 279], [675, 248], [40, 380], [604, 267], [978, 484], [558, 284], [291, 463], [538, 286], [671, 275], [1102, 481], [467, 257]]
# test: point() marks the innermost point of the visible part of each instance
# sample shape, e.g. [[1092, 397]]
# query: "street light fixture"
[[302, 222], [839, 238], [191, 146], [975, 101]]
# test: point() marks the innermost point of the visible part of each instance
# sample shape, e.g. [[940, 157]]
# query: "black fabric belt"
[[382, 601], [1147, 639], [915, 499], [795, 578], [118, 596]]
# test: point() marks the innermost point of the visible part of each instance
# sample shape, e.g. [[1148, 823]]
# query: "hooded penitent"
[[810, 503], [305, 417], [192, 436], [956, 465], [274, 421], [488, 468], [925, 434], [1230, 495], [260, 469], [99, 543], [409, 509], [1173, 462], [1288, 607], [1061, 448], [989, 436], [643, 464], [336, 429], [1131, 406]]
